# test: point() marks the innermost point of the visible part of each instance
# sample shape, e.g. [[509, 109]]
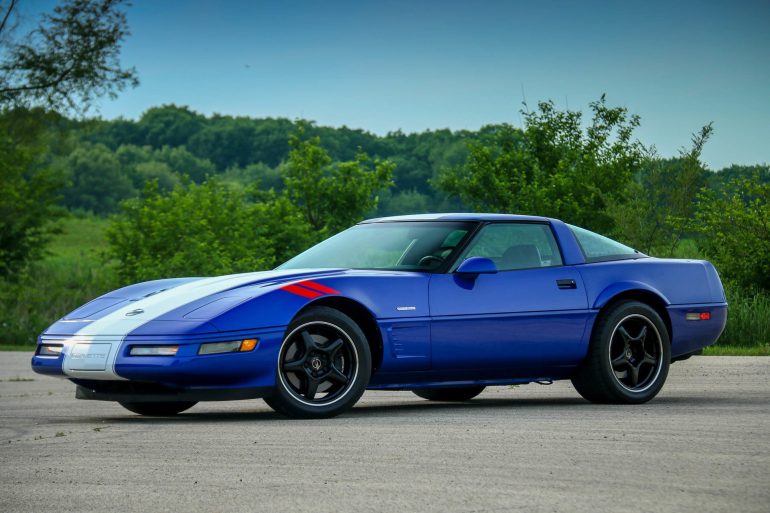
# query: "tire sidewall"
[[614, 318], [286, 402]]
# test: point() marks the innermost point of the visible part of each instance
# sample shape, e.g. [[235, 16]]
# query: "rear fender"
[[617, 288]]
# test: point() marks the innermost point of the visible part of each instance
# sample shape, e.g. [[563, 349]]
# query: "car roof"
[[457, 217]]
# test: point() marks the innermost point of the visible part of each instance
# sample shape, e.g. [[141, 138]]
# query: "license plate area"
[[89, 357]]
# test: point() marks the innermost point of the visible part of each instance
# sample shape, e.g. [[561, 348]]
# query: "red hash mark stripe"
[[318, 287], [301, 291], [309, 289]]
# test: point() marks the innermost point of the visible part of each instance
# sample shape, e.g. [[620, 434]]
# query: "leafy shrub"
[[554, 167], [205, 229], [735, 224], [748, 317]]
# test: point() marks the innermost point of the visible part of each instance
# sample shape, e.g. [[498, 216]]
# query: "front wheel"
[[158, 409], [324, 365], [628, 357], [449, 394]]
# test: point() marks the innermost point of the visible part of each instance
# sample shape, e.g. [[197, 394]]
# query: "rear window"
[[598, 248]]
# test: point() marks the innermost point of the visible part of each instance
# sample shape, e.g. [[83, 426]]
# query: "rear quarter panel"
[[682, 285]]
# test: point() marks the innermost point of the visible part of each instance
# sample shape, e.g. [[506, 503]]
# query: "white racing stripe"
[[98, 343]]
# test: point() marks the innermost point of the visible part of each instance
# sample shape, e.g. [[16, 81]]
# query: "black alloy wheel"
[[628, 356], [323, 366], [636, 353]]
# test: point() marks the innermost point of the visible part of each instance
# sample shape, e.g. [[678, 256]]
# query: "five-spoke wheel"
[[628, 357], [636, 352], [323, 366]]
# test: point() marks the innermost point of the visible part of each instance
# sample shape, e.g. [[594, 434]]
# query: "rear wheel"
[[449, 394], [324, 365], [160, 409], [628, 358]]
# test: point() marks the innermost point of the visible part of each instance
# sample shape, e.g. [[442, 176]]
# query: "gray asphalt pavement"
[[703, 445]]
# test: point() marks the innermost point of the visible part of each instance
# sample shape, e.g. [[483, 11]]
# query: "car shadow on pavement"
[[366, 410], [399, 407]]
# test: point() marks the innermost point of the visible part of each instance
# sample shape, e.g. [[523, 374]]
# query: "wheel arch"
[[636, 292], [361, 315]]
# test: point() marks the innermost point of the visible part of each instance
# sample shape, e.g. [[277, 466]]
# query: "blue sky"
[[415, 65]]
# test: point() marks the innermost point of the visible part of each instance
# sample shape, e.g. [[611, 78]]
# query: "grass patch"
[[724, 350], [81, 238], [748, 318], [72, 273]]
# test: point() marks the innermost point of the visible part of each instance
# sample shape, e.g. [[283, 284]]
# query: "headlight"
[[153, 350], [50, 349], [234, 346]]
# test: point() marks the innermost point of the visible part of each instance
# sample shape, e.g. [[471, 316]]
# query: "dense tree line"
[[600, 176], [189, 194], [107, 161]]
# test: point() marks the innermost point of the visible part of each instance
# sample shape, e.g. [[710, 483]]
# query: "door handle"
[[566, 284]]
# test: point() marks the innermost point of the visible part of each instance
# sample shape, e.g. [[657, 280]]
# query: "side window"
[[598, 248], [516, 246]]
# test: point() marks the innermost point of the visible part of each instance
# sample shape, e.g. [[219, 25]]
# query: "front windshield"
[[407, 246]]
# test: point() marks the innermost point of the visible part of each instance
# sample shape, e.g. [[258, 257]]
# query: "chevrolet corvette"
[[443, 305]]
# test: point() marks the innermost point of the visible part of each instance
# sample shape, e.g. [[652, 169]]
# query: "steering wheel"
[[427, 259]]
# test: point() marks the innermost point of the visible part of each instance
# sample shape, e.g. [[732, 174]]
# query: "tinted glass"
[[600, 248], [516, 246], [409, 246]]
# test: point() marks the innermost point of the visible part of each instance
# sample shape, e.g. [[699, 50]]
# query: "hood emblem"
[[135, 312]]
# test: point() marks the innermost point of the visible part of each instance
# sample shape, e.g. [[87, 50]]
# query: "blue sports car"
[[443, 305]]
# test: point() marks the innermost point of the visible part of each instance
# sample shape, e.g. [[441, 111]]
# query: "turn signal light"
[[248, 344], [698, 316]]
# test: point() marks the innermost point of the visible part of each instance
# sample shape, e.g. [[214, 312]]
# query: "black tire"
[[160, 409], [324, 352], [449, 394], [628, 357]]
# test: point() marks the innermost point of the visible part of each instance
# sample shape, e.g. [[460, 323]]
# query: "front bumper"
[[129, 391], [254, 370]]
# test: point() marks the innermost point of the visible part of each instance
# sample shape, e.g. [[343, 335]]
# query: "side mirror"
[[476, 266]]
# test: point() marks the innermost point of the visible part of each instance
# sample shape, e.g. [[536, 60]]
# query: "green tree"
[[183, 162], [97, 182], [205, 229], [72, 57], [264, 176], [159, 172], [29, 191], [405, 202], [169, 125], [735, 225], [662, 200], [332, 196], [719, 180], [553, 166], [226, 142], [68, 60]]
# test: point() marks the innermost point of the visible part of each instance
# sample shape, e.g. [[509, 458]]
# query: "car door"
[[527, 318]]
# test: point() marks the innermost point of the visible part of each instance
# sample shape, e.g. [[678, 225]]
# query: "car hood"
[[183, 300]]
